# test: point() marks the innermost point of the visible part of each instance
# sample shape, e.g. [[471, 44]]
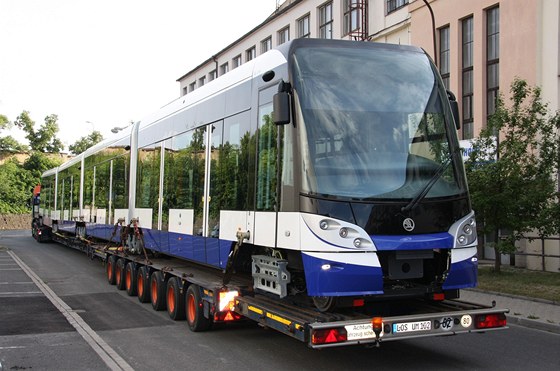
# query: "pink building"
[[481, 46], [484, 44]]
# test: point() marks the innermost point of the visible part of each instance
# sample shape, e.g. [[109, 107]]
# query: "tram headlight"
[[465, 231], [324, 225], [343, 232], [357, 242]]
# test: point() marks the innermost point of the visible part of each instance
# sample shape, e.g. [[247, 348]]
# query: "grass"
[[523, 282]]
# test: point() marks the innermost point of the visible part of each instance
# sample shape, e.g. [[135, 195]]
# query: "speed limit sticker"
[[466, 321]]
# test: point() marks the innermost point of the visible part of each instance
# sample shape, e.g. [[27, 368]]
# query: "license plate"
[[412, 326], [363, 331]]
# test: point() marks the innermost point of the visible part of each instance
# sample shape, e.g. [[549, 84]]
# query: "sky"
[[98, 64]]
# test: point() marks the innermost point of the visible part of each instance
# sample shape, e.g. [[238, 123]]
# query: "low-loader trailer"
[[197, 294]]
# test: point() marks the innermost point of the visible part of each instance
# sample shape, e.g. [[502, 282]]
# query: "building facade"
[[480, 47]]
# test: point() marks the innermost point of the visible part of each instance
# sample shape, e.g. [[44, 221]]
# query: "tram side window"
[[266, 160], [88, 194], [46, 195], [120, 182], [217, 189], [101, 199], [64, 188], [147, 180], [183, 183], [75, 171], [235, 154]]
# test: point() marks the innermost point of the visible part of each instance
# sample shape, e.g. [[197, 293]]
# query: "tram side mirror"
[[454, 109], [281, 104]]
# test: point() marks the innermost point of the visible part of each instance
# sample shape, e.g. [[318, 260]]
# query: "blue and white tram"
[[333, 167]]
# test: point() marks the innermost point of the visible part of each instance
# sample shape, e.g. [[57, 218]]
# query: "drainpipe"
[[215, 61]]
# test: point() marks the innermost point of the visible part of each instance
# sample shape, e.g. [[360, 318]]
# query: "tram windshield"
[[372, 124]]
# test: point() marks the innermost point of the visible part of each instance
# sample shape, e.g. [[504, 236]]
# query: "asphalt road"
[[93, 326]]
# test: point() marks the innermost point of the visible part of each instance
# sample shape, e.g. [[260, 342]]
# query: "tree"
[[85, 142], [16, 188], [512, 176], [44, 139], [8, 143], [38, 163]]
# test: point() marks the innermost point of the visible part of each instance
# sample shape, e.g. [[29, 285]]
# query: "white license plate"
[[363, 331], [412, 326]]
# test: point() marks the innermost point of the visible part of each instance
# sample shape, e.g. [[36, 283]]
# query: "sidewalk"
[[528, 312]]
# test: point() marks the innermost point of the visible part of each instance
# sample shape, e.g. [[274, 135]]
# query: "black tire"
[[195, 311], [119, 274], [130, 279], [157, 290], [175, 299], [325, 303], [110, 268], [143, 284]]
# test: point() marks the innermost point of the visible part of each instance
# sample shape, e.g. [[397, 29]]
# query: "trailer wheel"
[[325, 303], [143, 284], [157, 290], [175, 299], [195, 311], [119, 274], [131, 279], [110, 268]]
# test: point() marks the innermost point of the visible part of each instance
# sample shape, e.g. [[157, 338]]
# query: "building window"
[[236, 61], [192, 86], [283, 35], [201, 81], [185, 90], [326, 21], [250, 53], [393, 5], [303, 27], [468, 77], [444, 55], [351, 16], [492, 58], [224, 68], [212, 75], [266, 44]]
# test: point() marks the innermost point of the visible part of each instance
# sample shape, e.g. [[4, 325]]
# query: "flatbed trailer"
[[198, 294]]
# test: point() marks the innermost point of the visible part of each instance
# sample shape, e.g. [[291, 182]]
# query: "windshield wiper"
[[424, 191]]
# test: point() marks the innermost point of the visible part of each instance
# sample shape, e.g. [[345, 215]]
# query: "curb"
[[549, 327], [537, 300], [521, 321]]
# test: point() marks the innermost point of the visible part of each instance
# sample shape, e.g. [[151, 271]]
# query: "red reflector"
[[226, 316], [490, 320], [438, 296], [329, 336], [358, 303]]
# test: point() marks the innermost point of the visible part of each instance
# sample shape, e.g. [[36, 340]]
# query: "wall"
[[11, 221]]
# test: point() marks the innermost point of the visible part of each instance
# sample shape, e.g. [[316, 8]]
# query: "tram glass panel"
[[375, 124], [147, 182]]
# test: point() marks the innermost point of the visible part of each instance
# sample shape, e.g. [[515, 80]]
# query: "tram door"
[[266, 197], [214, 192]]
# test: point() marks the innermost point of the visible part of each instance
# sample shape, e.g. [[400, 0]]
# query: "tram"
[[327, 169]]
